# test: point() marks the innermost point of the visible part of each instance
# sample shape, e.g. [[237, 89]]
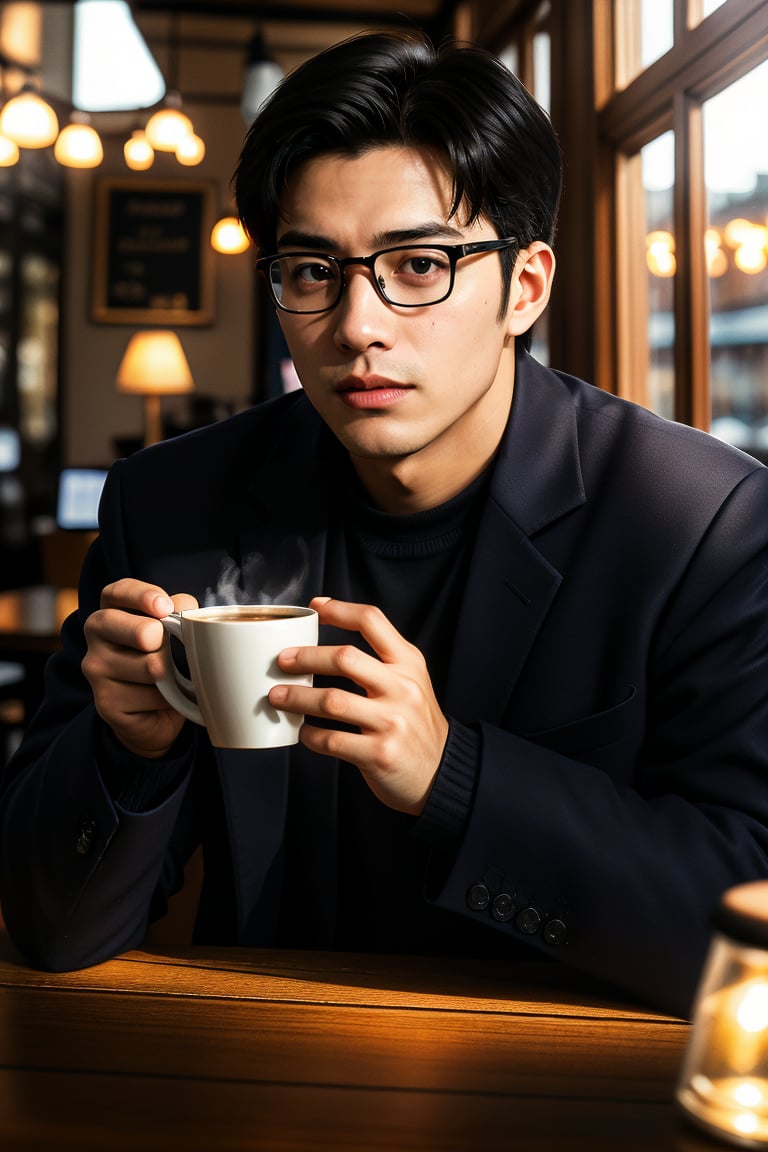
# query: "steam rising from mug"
[[251, 583]]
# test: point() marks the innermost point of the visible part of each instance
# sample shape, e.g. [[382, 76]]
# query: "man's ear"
[[531, 284]]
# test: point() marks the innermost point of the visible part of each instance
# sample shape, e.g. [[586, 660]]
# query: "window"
[[736, 244], [682, 303]]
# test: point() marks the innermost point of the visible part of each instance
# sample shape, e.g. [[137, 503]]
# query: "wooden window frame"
[[669, 94], [600, 284]]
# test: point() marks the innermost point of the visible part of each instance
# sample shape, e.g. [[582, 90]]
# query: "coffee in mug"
[[232, 656]]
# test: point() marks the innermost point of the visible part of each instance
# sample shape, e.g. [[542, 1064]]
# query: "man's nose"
[[362, 317]]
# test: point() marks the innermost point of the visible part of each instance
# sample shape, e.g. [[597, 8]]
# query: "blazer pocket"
[[620, 722]]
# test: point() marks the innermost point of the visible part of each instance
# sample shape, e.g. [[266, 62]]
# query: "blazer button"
[[478, 897], [503, 908], [85, 836], [528, 921], [555, 932]]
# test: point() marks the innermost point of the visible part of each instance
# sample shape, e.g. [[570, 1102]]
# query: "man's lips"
[[371, 391]]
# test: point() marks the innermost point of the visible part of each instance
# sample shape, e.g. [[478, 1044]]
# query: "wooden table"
[[31, 618], [216, 1050]]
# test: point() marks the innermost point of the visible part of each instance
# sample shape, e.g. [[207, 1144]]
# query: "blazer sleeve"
[[608, 842], [62, 908]]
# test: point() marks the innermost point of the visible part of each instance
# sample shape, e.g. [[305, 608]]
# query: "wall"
[[220, 356]]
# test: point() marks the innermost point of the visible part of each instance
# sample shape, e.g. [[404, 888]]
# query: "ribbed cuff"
[[445, 814], [136, 783]]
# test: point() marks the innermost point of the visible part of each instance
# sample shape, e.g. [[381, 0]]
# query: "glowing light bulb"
[[229, 237]]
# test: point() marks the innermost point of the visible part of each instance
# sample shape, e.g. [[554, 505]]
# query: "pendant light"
[[229, 237], [166, 129], [190, 150], [262, 75], [138, 152], [9, 152], [169, 127], [78, 145], [28, 120]]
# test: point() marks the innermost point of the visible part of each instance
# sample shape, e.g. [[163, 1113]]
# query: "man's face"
[[430, 386]]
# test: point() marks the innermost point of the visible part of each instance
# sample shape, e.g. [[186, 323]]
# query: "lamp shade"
[[29, 121], [154, 364], [166, 129], [262, 76], [9, 152], [138, 152], [78, 146], [191, 150]]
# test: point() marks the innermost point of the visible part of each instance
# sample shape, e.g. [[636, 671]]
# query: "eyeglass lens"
[[406, 276]]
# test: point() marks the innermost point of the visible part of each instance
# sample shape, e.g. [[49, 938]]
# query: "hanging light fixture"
[[166, 129], [138, 152], [78, 145], [229, 237], [190, 150], [169, 129], [262, 75], [28, 120], [9, 152]]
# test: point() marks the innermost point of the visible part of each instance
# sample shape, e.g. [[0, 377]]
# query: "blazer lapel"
[[510, 587]]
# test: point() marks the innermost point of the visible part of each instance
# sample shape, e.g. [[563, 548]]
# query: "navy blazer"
[[612, 648]]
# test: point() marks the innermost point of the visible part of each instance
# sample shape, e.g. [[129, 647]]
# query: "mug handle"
[[177, 689]]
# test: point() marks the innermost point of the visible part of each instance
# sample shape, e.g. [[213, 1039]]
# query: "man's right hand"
[[123, 661]]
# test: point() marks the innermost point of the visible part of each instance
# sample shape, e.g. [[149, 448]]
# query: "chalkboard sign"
[[152, 258]]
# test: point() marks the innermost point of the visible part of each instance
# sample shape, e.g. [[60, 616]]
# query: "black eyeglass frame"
[[454, 253]]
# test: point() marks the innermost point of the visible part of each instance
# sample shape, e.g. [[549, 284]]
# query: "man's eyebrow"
[[435, 230]]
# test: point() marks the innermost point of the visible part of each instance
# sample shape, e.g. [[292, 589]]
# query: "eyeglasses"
[[411, 276]]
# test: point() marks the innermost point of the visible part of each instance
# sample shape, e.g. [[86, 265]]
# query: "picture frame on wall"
[[152, 262]]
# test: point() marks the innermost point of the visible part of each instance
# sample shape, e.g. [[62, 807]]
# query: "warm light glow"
[[717, 261], [229, 237], [79, 146], [29, 121], [153, 363], [660, 253], [750, 259], [752, 1010], [21, 32], [152, 366], [737, 232], [9, 152], [191, 150], [167, 128], [138, 152], [751, 256], [745, 1123], [747, 1094]]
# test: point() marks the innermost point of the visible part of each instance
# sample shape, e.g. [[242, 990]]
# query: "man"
[[539, 722]]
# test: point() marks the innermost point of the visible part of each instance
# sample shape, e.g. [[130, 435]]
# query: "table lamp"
[[723, 1083], [153, 366]]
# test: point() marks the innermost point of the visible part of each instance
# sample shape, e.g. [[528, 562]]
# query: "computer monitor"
[[78, 498], [10, 449]]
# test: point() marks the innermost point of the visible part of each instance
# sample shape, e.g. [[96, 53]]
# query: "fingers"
[[137, 596], [122, 662], [372, 625]]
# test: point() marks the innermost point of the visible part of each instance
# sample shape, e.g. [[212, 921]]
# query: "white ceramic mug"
[[232, 656]]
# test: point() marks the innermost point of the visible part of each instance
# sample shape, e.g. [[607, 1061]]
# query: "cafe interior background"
[[662, 287]]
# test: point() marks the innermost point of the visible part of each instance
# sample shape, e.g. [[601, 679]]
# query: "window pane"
[[707, 8], [736, 168], [645, 31], [658, 177]]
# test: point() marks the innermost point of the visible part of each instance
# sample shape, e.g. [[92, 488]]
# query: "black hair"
[[390, 88]]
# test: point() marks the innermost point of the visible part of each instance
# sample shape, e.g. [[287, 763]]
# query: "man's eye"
[[422, 264], [313, 273]]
